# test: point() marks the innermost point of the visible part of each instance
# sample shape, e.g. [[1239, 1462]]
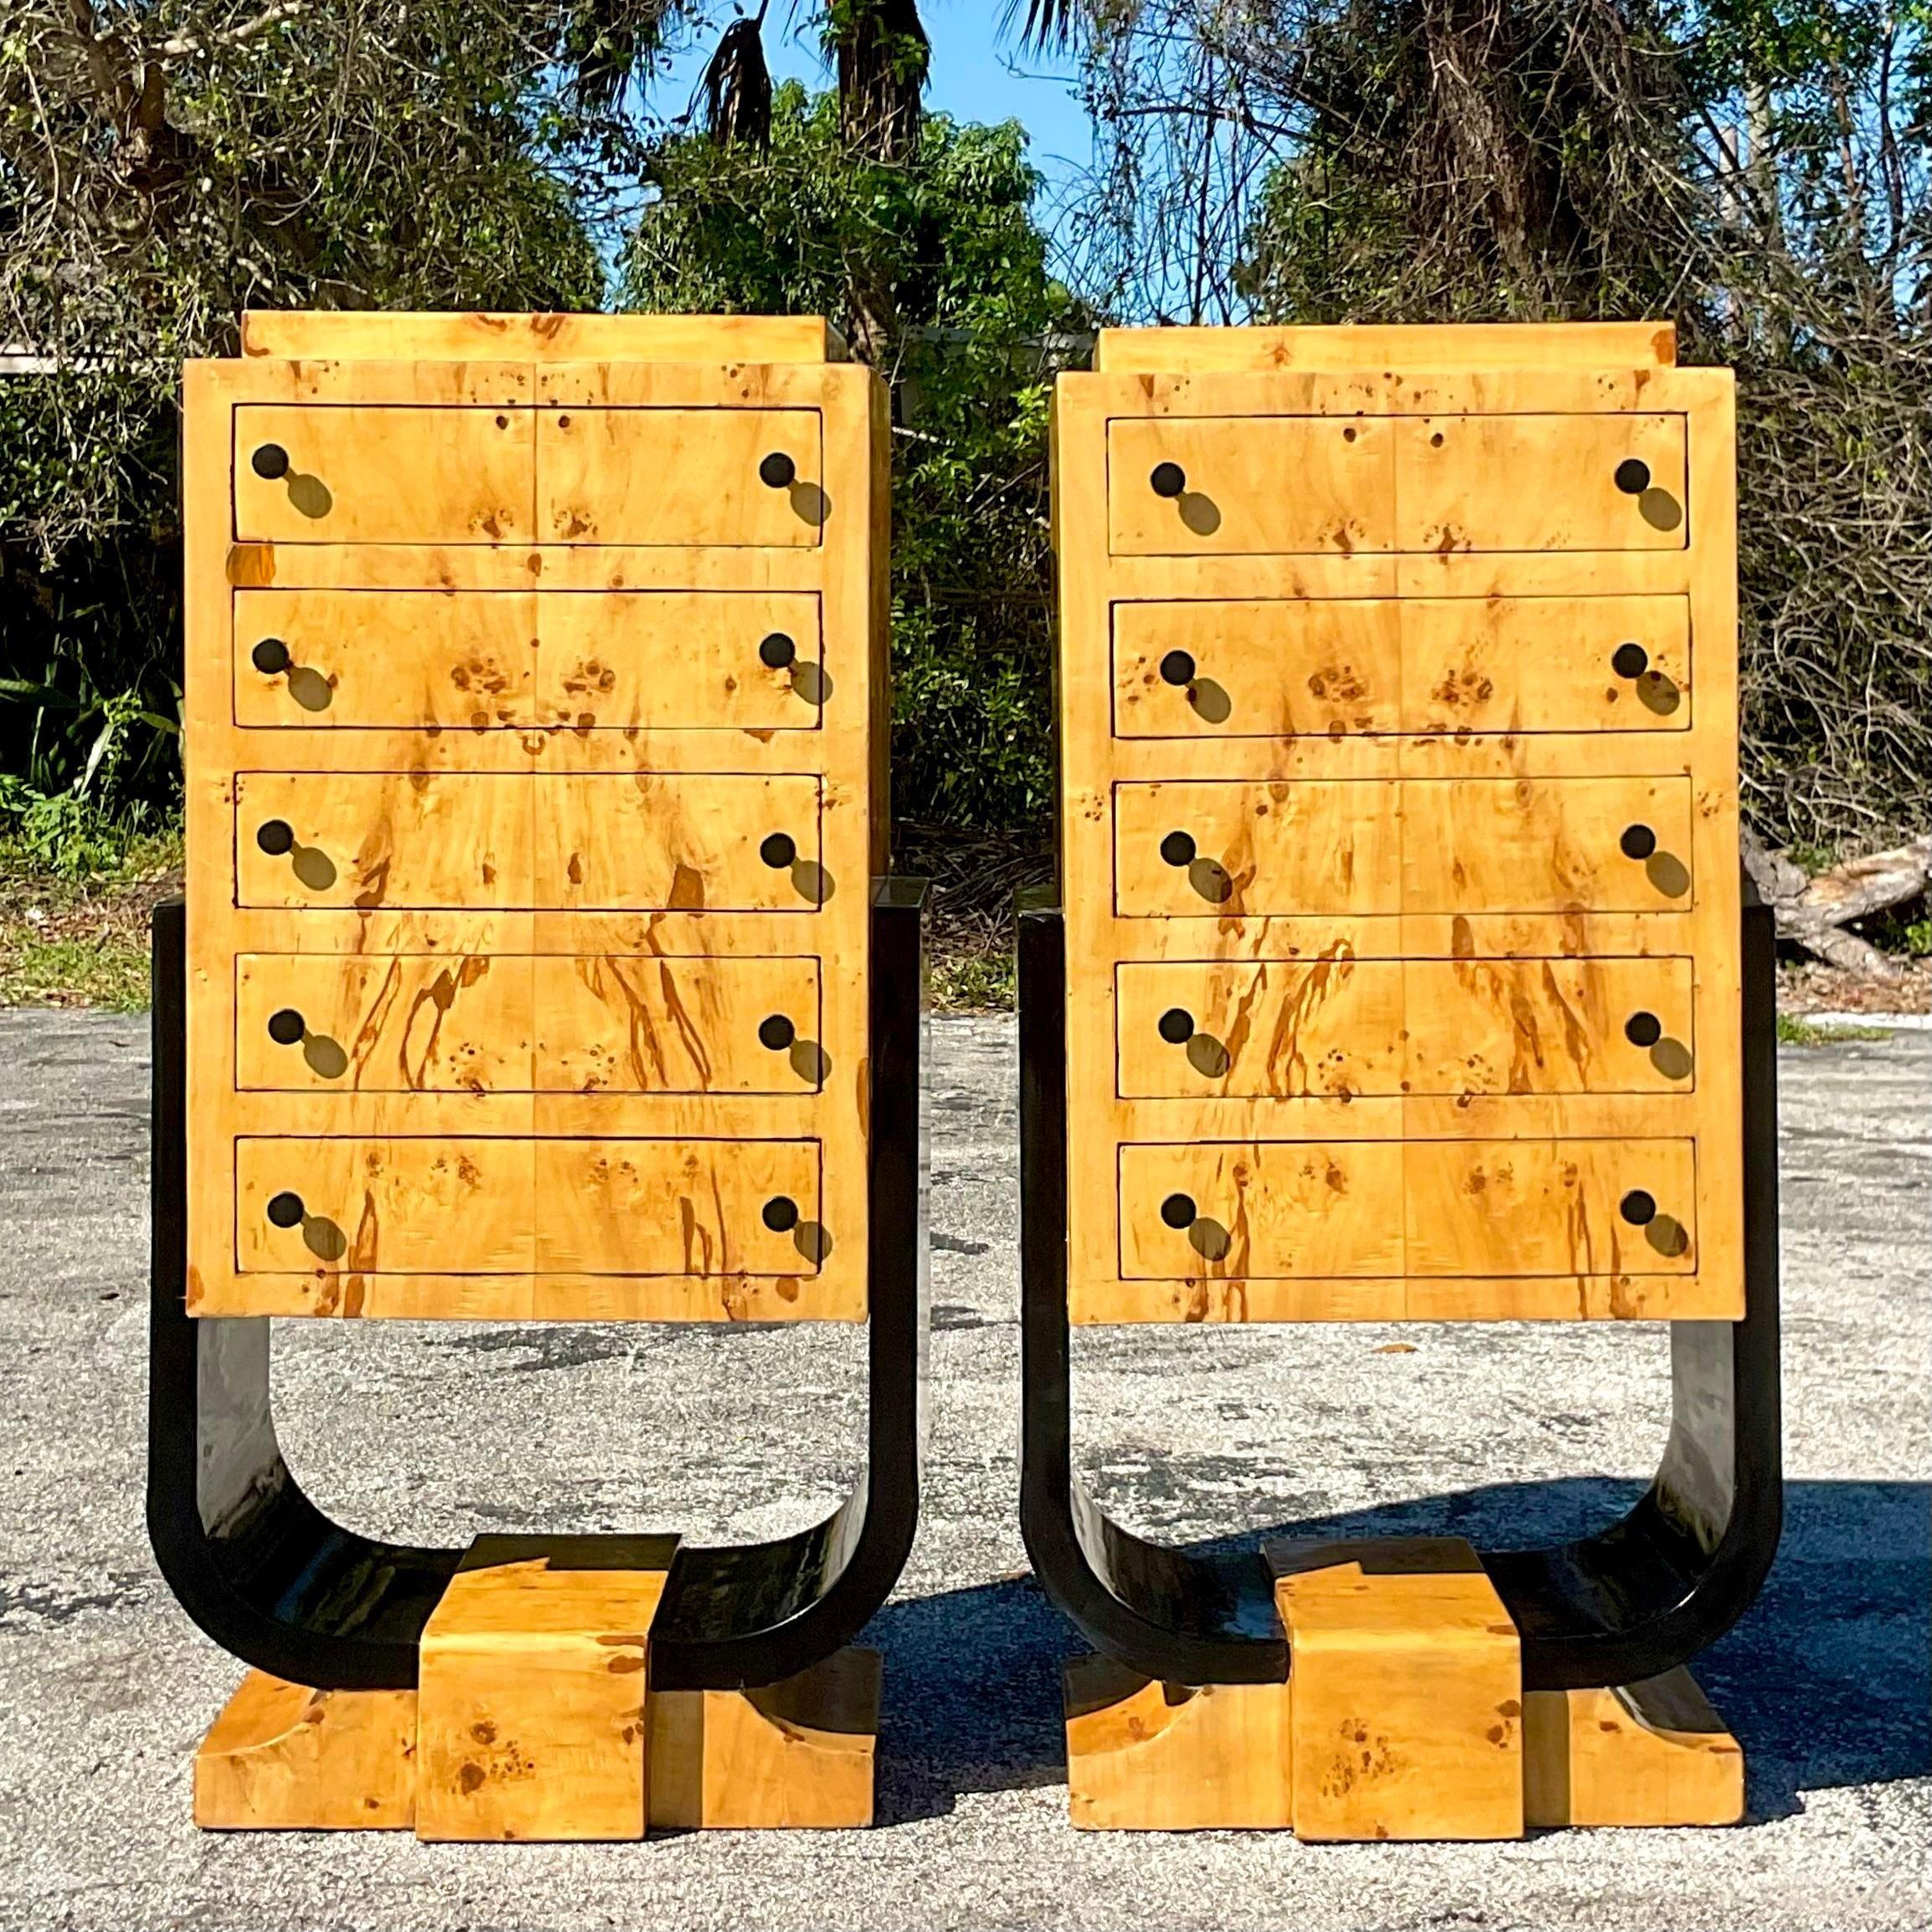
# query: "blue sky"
[[976, 75]]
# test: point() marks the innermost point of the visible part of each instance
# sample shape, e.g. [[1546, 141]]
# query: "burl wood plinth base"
[[1404, 1718], [535, 1719]]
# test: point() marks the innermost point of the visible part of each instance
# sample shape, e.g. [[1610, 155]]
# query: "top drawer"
[[376, 474], [1260, 486]]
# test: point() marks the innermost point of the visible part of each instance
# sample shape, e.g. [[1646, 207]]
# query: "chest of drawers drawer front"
[[1283, 1029], [1261, 1209], [385, 659], [1251, 486], [1546, 845], [1541, 482], [1217, 848], [355, 473], [1286, 1209], [1309, 668], [509, 1023], [618, 841], [478, 1205], [735, 478]]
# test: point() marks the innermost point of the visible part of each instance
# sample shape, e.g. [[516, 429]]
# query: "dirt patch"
[[1810, 987]]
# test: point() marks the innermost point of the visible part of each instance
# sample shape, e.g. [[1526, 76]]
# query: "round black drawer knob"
[[286, 1028], [777, 471], [1638, 1209], [1630, 660], [1643, 1029], [271, 656], [1177, 1026], [1167, 480], [781, 1213], [1633, 476], [1638, 841], [1177, 1211], [1178, 848], [778, 850], [270, 462], [1177, 668], [777, 651], [285, 1210], [275, 837], [776, 1031]]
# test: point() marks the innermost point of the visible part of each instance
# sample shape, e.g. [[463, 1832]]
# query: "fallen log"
[[1814, 912]]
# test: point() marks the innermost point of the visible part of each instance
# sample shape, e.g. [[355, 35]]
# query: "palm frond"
[[737, 87]]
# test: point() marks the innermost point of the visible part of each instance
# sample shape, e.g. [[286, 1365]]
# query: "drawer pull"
[[1168, 480], [780, 1213], [286, 1028], [1638, 1209], [1177, 1026], [777, 471], [270, 462], [1633, 476], [1178, 849], [1178, 1211], [1177, 668], [778, 850], [1630, 660], [1643, 1029], [776, 1031], [285, 1210], [1638, 841], [778, 652], [270, 657], [275, 837]]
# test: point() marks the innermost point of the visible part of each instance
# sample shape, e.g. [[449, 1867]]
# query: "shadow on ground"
[[1827, 1680]]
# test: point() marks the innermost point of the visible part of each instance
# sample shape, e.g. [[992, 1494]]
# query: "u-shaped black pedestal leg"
[[274, 1582], [1633, 1601]]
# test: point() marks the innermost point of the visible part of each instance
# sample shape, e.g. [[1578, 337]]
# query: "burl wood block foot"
[[283, 1758], [1145, 1756], [532, 1697], [1649, 1753], [797, 1755], [1406, 1691]]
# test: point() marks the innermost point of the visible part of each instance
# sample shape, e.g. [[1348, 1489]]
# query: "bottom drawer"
[[483, 1205], [1278, 1209]]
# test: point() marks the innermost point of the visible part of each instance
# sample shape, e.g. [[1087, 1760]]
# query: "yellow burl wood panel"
[[533, 1702], [373, 659], [1281, 668], [390, 475], [1490, 664], [683, 476], [284, 1758], [1405, 1691], [1261, 1210], [341, 1208], [1144, 1756], [509, 1023], [1547, 845], [1653, 1753], [1540, 482], [1343, 1027], [1571, 1208], [373, 335], [1287, 485], [680, 660], [1221, 850], [1392, 346]]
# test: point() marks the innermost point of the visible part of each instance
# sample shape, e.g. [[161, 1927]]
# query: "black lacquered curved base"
[[262, 1571], [1630, 1603]]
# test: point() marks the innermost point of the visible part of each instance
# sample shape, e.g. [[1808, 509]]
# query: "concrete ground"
[[431, 1433]]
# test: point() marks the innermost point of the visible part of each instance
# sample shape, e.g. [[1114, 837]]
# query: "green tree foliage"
[[809, 226], [165, 164]]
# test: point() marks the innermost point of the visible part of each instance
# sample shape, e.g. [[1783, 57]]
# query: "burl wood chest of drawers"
[[535, 762], [1398, 715]]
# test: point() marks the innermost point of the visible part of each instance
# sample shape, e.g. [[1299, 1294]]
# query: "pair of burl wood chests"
[[541, 960]]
